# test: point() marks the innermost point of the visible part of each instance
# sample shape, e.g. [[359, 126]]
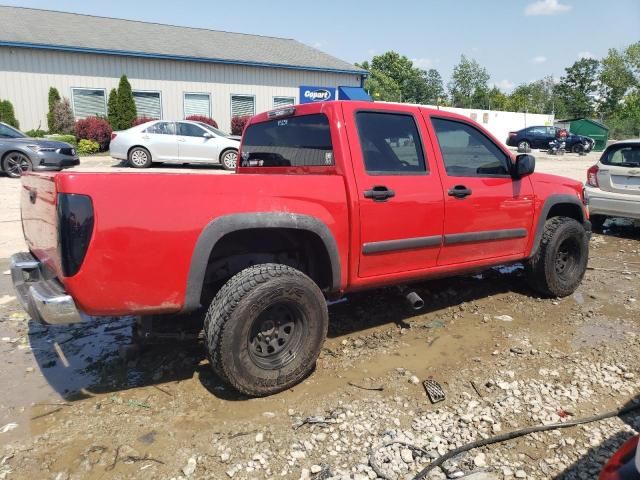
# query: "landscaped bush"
[[7, 115], [238, 124], [36, 133], [63, 138], [88, 147], [63, 117], [141, 120], [203, 119], [54, 97], [125, 107], [96, 129]]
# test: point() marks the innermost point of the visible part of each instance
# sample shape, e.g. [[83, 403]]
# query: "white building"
[[174, 71]]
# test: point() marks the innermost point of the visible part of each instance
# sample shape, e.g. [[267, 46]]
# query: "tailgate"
[[619, 179], [39, 218]]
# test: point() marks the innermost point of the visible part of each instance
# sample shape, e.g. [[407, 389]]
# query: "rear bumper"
[[613, 204], [41, 295]]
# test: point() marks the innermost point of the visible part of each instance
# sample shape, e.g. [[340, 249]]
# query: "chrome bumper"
[[41, 295]]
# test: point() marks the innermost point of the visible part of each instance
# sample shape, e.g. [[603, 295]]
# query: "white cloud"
[[546, 7], [585, 54], [317, 44], [539, 59], [504, 85], [423, 63]]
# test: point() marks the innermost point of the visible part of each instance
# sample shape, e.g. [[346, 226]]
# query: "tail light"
[[592, 176], [113, 135], [75, 226], [621, 466]]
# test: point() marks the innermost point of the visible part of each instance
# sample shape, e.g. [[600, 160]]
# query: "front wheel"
[[265, 328], [229, 159], [560, 262], [15, 164]]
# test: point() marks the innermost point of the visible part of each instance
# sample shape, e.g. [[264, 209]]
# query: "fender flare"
[[221, 226], [549, 203]]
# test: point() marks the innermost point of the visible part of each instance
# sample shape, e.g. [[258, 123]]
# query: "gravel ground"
[[72, 407]]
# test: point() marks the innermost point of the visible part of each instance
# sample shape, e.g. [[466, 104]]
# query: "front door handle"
[[459, 191], [379, 193]]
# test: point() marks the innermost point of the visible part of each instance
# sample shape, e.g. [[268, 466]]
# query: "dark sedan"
[[19, 153], [539, 137]]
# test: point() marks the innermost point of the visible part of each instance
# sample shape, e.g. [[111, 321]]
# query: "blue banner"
[[317, 94]]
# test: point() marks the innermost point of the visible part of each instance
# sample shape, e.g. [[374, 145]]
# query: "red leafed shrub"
[[96, 129], [238, 124], [203, 119], [141, 120]]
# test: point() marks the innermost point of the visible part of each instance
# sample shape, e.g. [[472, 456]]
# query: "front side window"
[[390, 143], [302, 141], [8, 132], [467, 152], [538, 130], [624, 156], [88, 102], [162, 128], [190, 130]]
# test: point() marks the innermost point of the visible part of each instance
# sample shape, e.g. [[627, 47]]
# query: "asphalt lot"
[[72, 407]]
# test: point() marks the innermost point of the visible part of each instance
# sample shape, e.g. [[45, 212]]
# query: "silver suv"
[[613, 184]]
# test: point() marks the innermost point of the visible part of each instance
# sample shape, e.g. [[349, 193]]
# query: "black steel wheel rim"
[[567, 257], [17, 164], [276, 335]]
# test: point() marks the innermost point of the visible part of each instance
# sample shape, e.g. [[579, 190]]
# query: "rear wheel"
[[15, 164], [265, 328], [577, 148], [524, 146], [559, 265], [229, 159], [139, 157]]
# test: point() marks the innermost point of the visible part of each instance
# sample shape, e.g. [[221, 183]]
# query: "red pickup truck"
[[328, 198]]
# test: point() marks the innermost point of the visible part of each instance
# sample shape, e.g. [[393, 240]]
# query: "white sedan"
[[174, 142]]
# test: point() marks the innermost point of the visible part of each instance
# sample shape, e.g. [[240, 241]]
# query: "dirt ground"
[[72, 407]]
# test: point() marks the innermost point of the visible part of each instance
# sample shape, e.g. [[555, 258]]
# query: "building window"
[[283, 101], [243, 105], [197, 104], [148, 104], [89, 102]]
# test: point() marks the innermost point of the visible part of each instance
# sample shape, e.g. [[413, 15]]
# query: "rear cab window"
[[301, 141]]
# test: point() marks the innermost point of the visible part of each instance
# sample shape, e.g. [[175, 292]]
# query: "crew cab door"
[[399, 194], [488, 214]]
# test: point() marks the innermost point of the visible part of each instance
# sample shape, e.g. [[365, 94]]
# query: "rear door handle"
[[379, 193], [459, 191]]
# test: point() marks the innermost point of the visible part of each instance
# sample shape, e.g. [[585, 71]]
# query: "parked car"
[[539, 138], [19, 153], [329, 198], [625, 462], [613, 184], [174, 142]]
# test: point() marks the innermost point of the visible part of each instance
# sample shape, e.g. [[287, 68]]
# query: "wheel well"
[[225, 151], [300, 249], [570, 210]]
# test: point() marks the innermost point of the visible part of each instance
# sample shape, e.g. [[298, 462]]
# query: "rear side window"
[[303, 141], [162, 128], [623, 156], [390, 143]]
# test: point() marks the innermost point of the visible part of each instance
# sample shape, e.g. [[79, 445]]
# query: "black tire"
[[558, 266], [265, 328], [597, 222], [229, 159], [139, 157], [577, 148], [524, 146], [14, 164]]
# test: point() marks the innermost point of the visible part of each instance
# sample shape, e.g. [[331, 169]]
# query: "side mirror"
[[525, 165], [207, 135]]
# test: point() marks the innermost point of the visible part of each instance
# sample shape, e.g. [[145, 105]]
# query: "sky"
[[517, 41]]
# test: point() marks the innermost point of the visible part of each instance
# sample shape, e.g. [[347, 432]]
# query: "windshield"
[[623, 156], [220, 133], [9, 132], [288, 142]]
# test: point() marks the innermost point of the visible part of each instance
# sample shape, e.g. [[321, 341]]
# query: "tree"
[[63, 117], [125, 106], [469, 82], [54, 97], [7, 115], [497, 99], [579, 86], [616, 78], [433, 88], [112, 108]]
